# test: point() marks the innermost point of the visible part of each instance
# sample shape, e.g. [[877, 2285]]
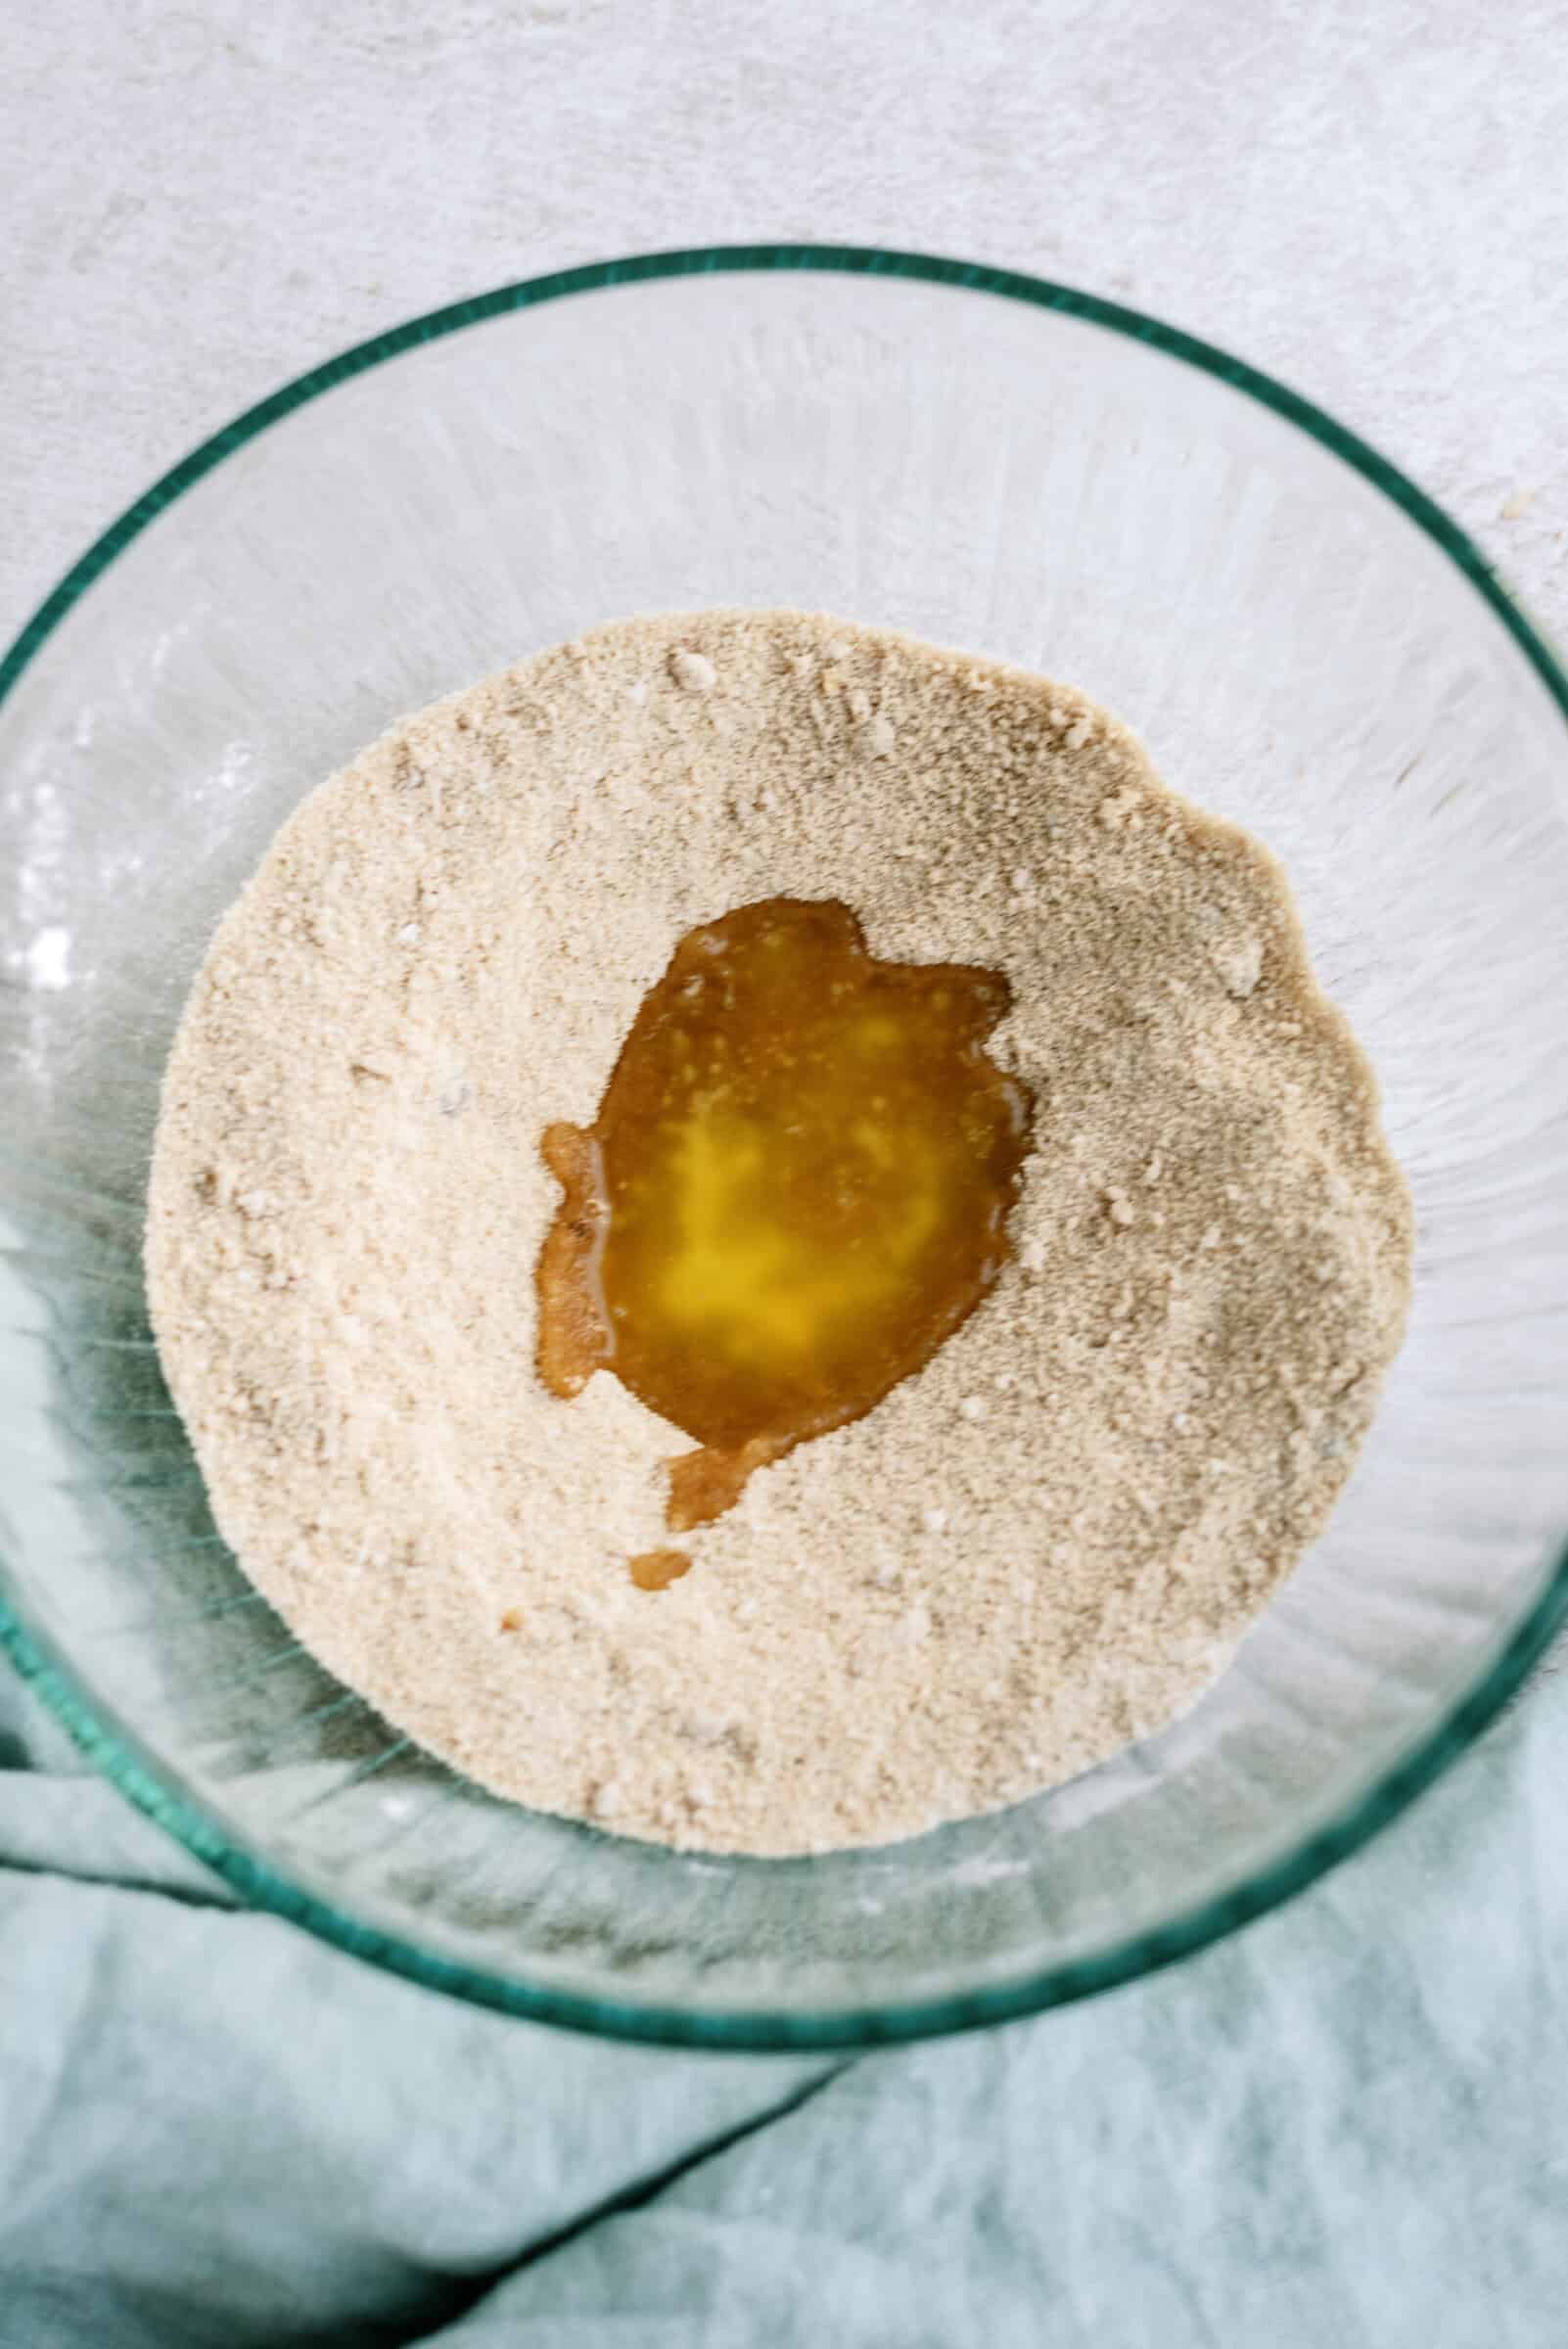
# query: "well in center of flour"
[[795, 1189]]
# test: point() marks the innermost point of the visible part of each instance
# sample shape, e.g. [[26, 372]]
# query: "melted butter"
[[657, 1569], [795, 1189]]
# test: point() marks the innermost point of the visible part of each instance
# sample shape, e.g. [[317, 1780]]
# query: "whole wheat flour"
[[1047, 1541]]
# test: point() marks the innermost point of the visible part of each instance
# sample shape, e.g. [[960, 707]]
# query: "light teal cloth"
[[1347, 2129]]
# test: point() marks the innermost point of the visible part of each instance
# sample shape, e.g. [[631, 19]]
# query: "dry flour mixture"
[[1047, 1542]]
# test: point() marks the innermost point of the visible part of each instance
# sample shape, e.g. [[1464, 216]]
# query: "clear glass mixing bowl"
[[1306, 644]]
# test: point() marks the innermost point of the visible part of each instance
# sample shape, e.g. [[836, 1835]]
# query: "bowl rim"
[[117, 1750]]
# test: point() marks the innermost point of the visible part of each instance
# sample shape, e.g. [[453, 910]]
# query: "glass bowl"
[[1306, 644]]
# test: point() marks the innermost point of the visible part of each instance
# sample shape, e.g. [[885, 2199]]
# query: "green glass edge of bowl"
[[120, 1754]]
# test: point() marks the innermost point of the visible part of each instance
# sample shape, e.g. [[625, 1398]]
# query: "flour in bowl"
[[1048, 1540]]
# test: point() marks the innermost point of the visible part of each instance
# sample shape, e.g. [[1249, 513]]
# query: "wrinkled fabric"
[[1342, 2128]]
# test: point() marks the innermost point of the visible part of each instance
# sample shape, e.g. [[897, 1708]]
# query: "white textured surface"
[[206, 198], [1346, 2127]]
